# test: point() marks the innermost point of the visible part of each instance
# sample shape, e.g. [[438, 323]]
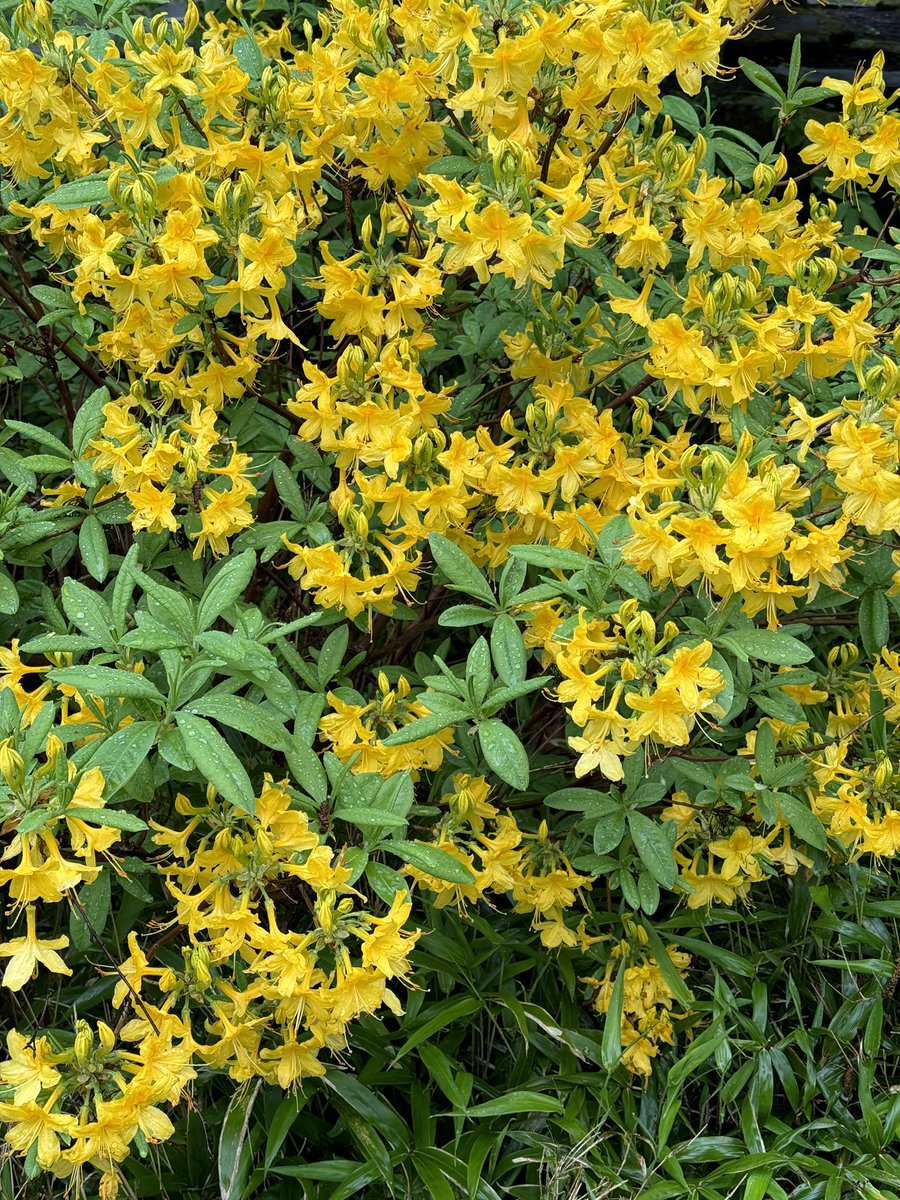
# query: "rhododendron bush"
[[448, 574]]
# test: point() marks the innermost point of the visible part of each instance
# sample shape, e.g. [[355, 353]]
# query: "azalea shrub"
[[448, 582]]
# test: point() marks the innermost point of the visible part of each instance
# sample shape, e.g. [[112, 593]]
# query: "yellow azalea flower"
[[29, 1068], [31, 1123], [294, 1061], [710, 886], [27, 952]]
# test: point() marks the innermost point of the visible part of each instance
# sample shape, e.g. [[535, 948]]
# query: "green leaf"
[[425, 726], [236, 652], [653, 847], [385, 881], [282, 1122], [234, 1155], [107, 683], [767, 645], [609, 830], [81, 193], [803, 821], [364, 1101], [446, 1015], [51, 297], [306, 768], [9, 595], [501, 696], [874, 621], [227, 585], [516, 1102], [112, 818], [431, 860], [119, 755], [762, 79], [243, 715], [764, 751], [93, 548], [504, 753], [611, 1042], [216, 761], [46, 462], [670, 973], [461, 573], [167, 605], [249, 56], [94, 899], [478, 670], [794, 67], [582, 799], [367, 818], [42, 437], [186, 323], [556, 558], [88, 612], [332, 654], [451, 166], [508, 650], [89, 420]]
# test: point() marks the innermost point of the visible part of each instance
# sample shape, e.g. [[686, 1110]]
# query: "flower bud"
[[200, 966], [191, 19], [884, 770], [764, 179], [168, 980], [325, 912], [84, 1043], [12, 765]]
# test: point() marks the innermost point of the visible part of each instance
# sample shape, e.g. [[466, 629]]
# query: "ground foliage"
[[450, 495]]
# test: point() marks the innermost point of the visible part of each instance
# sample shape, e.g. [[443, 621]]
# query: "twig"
[[63, 347], [95, 936], [608, 141], [558, 121], [665, 612], [624, 397]]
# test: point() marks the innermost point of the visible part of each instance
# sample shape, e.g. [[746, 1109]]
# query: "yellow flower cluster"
[[36, 870], [623, 683], [737, 529], [84, 1105], [863, 148], [355, 732], [647, 1000], [244, 887], [528, 868]]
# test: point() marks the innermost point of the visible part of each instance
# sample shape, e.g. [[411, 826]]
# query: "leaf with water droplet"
[[216, 760]]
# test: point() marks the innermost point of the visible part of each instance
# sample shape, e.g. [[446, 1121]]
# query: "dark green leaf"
[[92, 547], [216, 761], [767, 645], [504, 753], [107, 682], [460, 572], [654, 848], [431, 860]]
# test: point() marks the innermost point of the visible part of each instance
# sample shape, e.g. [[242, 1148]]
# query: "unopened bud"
[[884, 770], [200, 966], [84, 1043], [12, 765], [168, 980]]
